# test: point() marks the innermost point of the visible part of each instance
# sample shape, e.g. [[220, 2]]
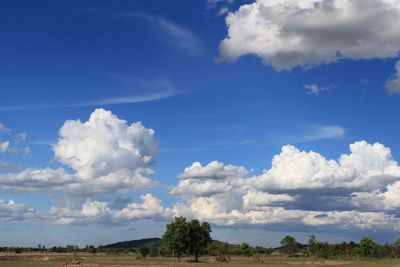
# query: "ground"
[[103, 260]]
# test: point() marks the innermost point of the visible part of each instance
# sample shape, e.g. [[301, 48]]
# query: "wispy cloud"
[[310, 134], [314, 89], [182, 37], [155, 90], [100, 102]]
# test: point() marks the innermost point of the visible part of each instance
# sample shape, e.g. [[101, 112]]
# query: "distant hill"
[[299, 246], [151, 242]]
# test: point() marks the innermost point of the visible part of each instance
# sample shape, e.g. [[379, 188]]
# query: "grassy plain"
[[102, 260]]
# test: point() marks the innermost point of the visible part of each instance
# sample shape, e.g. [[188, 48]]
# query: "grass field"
[[87, 260]]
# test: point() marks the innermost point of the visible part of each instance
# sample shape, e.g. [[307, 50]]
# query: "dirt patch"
[[319, 263]]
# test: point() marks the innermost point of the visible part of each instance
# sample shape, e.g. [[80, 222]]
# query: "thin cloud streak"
[[310, 134], [102, 102], [183, 38]]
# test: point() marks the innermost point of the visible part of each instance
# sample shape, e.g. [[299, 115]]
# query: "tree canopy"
[[187, 237], [289, 245]]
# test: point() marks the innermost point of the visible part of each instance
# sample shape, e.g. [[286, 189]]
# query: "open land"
[[97, 260]]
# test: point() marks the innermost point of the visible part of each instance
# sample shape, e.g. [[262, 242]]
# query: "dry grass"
[[104, 260]]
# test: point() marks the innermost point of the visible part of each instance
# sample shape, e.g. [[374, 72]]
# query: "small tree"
[[246, 250], [289, 246], [153, 252], [144, 251]]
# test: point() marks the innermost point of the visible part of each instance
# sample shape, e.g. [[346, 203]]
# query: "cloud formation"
[[305, 33], [300, 188], [393, 84], [99, 211], [11, 211], [105, 153]]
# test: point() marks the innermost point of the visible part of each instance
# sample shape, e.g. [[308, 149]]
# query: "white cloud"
[[4, 146], [306, 33], [210, 179], [300, 188], [367, 166], [309, 134], [214, 3], [11, 211], [180, 36], [214, 170], [19, 137], [105, 152], [99, 211], [3, 129], [314, 89], [393, 85], [223, 11]]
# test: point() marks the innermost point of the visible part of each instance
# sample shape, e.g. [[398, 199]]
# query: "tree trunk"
[[196, 256]]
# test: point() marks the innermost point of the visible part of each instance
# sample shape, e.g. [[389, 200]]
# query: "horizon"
[[263, 118]]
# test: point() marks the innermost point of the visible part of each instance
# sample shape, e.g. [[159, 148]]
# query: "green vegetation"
[[187, 237], [192, 239]]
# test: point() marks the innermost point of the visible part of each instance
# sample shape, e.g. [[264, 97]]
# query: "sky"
[[263, 117]]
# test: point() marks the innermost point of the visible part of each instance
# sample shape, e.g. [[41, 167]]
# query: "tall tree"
[[199, 237], [176, 237], [289, 245]]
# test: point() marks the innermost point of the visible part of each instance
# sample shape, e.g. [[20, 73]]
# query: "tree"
[[312, 246], [246, 250], [144, 250], [153, 252], [176, 237], [191, 237], [289, 245], [367, 246], [199, 237]]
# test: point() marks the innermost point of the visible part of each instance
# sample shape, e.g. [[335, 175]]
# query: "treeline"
[[192, 238]]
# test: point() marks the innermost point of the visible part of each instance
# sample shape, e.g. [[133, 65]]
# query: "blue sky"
[[262, 126]]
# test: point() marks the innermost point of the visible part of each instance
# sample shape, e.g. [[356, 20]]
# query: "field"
[[88, 260]]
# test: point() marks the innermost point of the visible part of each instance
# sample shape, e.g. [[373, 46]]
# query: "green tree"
[[246, 250], [176, 237], [289, 246], [220, 250], [144, 250], [187, 237], [367, 246], [199, 237], [312, 246], [153, 252]]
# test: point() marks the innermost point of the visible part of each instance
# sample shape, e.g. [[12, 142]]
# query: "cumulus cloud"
[[300, 188], [11, 211], [214, 170], [367, 166], [210, 179], [99, 211], [305, 33], [393, 85], [105, 153]]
